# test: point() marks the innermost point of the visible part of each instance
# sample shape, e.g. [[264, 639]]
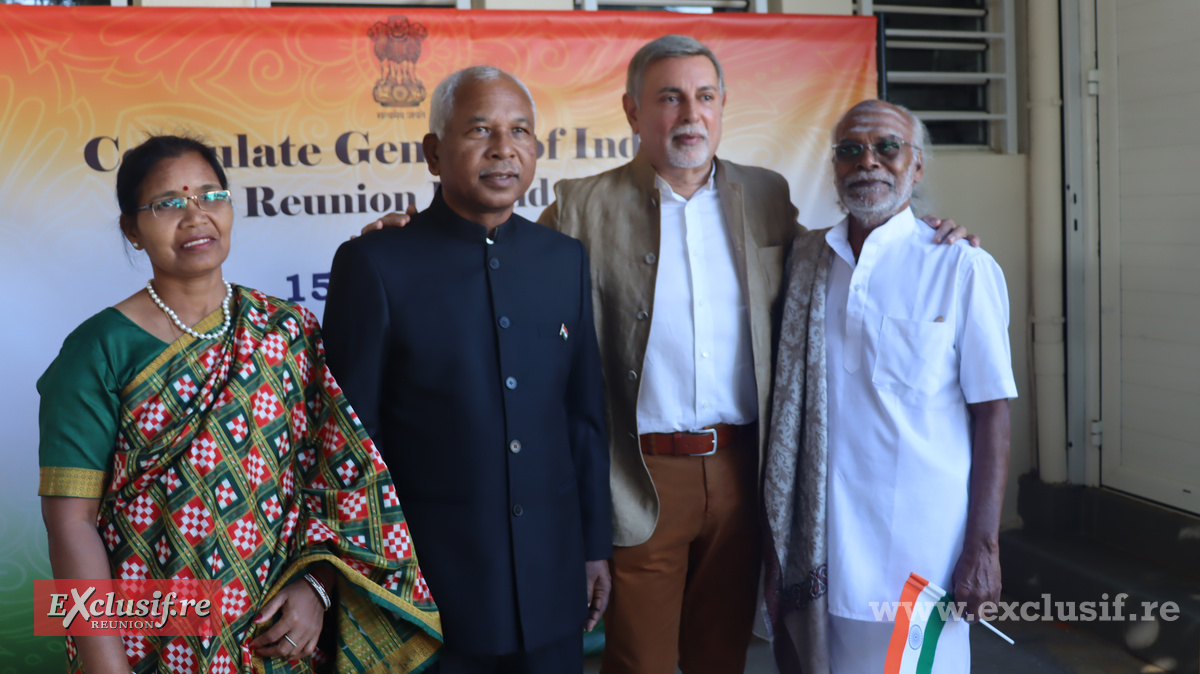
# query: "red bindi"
[[185, 188]]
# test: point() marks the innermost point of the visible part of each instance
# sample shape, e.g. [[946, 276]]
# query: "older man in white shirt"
[[907, 450]]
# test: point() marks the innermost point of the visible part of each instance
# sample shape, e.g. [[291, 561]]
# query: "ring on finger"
[[289, 640]]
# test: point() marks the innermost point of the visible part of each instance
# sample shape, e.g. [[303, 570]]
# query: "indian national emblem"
[[398, 46]]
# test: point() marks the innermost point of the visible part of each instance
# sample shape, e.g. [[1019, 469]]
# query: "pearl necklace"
[[179, 324]]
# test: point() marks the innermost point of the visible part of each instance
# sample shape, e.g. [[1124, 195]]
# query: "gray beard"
[[876, 212], [687, 159]]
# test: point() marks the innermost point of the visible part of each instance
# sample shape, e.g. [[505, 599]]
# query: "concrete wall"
[[986, 193]]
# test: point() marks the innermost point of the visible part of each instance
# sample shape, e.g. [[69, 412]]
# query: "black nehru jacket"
[[474, 367]]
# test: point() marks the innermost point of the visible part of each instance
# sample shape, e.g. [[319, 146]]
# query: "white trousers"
[[860, 647]]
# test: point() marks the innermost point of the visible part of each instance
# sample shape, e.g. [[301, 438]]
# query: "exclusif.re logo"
[[398, 47]]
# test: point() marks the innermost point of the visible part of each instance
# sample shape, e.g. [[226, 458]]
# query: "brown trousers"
[[687, 594]]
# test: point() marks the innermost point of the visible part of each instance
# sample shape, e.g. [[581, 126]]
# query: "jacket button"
[[517, 510], [511, 382], [494, 263], [651, 258], [504, 322], [515, 446], [632, 375], [642, 315]]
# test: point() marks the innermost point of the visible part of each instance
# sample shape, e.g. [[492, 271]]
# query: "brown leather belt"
[[703, 442]]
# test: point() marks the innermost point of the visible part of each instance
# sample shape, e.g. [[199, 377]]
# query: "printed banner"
[[318, 113]]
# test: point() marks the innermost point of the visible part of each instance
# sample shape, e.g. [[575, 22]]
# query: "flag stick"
[[1000, 634]]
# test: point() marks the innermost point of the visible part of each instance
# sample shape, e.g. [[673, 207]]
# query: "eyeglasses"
[[848, 152], [175, 206]]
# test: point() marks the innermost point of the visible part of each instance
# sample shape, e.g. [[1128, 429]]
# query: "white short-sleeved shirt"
[[915, 331]]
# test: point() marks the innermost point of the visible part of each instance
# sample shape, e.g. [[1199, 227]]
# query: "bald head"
[[879, 158]]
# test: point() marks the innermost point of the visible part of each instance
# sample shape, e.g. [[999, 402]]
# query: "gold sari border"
[[71, 482], [208, 323]]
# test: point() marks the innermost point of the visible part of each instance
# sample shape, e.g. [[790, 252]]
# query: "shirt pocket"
[[915, 357]]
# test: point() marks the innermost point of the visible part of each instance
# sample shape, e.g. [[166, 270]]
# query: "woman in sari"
[[193, 431]]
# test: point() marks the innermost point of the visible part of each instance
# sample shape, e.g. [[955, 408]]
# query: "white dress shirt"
[[698, 370], [914, 332]]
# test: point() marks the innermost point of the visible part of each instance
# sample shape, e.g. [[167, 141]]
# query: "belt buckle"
[[705, 431]]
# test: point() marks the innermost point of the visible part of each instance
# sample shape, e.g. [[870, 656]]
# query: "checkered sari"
[[239, 459]]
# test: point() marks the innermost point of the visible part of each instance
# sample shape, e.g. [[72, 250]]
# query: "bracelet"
[[319, 589]]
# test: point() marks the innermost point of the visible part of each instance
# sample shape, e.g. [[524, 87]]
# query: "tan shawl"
[[794, 479]]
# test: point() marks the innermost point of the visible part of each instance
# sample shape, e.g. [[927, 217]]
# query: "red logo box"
[[87, 607]]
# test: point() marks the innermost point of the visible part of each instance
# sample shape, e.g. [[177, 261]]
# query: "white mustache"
[[689, 130], [850, 181]]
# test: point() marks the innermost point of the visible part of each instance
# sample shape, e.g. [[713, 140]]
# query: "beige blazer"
[[616, 215]]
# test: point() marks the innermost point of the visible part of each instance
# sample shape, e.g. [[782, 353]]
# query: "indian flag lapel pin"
[[562, 331]]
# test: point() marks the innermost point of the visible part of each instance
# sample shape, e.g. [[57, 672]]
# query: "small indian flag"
[[918, 625]]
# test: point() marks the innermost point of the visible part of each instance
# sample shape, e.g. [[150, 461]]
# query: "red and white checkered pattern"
[[256, 468], [358, 539], [376, 457], [238, 428], [204, 454], [246, 343], [287, 481], [310, 320], [142, 512], [266, 405], [421, 589], [72, 650], [247, 370], [257, 317], [226, 494], [119, 476], [152, 416], [215, 563], [243, 533], [292, 328], [392, 581], [396, 541], [274, 348], [184, 573], [211, 357], [194, 520], [361, 567], [319, 482], [317, 532], [289, 523], [223, 399], [179, 657], [299, 421], [111, 538], [162, 550], [307, 458], [390, 500], [332, 440], [348, 471], [287, 382], [133, 568], [185, 388], [302, 368], [282, 444], [352, 505], [314, 503], [272, 509], [170, 480], [222, 663], [136, 648], [235, 601], [262, 571], [330, 382]]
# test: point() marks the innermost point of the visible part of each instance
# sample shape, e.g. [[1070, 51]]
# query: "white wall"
[[986, 193]]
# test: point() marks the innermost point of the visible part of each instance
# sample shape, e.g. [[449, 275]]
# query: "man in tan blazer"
[[687, 254]]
